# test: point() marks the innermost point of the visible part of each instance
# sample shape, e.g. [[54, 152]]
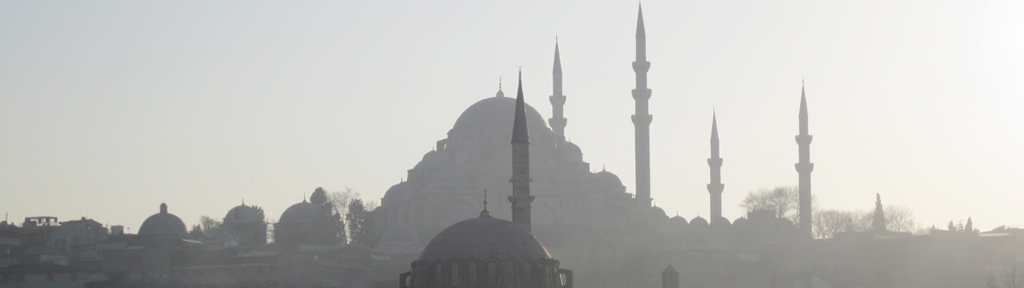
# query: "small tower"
[[669, 277], [520, 198], [557, 120], [715, 163], [804, 168], [642, 119]]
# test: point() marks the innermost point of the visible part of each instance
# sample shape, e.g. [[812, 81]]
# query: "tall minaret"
[[715, 162], [804, 167], [520, 163], [642, 120], [557, 99]]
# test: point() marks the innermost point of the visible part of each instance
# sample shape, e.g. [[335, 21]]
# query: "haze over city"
[[109, 109]]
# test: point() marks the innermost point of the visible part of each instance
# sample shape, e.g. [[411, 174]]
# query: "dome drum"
[[491, 272]]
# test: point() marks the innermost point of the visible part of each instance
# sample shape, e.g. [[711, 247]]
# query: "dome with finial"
[[484, 237], [304, 212], [244, 214], [164, 223], [699, 222]]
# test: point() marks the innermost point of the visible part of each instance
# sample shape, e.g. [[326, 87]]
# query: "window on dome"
[[508, 276], [455, 274], [438, 275], [492, 273], [472, 274]]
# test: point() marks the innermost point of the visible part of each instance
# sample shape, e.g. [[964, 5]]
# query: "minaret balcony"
[[641, 66], [804, 139]]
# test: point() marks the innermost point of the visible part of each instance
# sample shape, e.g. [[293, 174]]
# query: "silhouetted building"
[[490, 252]]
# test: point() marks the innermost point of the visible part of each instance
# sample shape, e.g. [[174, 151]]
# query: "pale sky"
[[108, 109]]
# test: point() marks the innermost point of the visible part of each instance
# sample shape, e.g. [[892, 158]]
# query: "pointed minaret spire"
[[804, 168], [642, 119], [715, 162], [557, 120], [520, 198], [641, 35]]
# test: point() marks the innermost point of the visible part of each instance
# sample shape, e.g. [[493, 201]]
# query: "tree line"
[[784, 202]]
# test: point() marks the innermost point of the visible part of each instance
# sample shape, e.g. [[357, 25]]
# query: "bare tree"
[[340, 199], [829, 223], [1013, 274], [899, 219], [208, 222], [783, 200]]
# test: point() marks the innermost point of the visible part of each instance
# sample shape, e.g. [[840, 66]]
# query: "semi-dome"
[[164, 223], [396, 190], [303, 212], [482, 238], [244, 214]]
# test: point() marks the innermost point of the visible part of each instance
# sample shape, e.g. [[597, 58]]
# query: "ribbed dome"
[[304, 212], [164, 223], [482, 238], [244, 214]]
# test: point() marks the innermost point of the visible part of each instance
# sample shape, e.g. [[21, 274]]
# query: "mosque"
[[587, 219], [444, 187]]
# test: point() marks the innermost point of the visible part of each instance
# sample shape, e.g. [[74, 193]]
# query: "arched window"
[[472, 274], [438, 275], [524, 275], [492, 274], [455, 274], [508, 276]]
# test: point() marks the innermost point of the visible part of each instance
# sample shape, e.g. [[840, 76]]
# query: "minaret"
[[642, 120], [804, 167], [520, 163], [715, 162], [557, 120]]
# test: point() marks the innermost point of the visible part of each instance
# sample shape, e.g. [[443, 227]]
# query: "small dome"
[[570, 152], [482, 238], [720, 222], [658, 213], [740, 222], [699, 222], [678, 220], [400, 233], [164, 223], [244, 214], [607, 179], [304, 212]]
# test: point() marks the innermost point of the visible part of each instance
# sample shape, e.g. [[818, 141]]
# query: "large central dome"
[[483, 238], [490, 120]]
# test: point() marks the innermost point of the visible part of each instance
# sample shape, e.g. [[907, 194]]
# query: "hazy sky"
[[108, 109]]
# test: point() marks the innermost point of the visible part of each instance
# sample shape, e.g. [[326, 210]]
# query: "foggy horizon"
[[108, 110]]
